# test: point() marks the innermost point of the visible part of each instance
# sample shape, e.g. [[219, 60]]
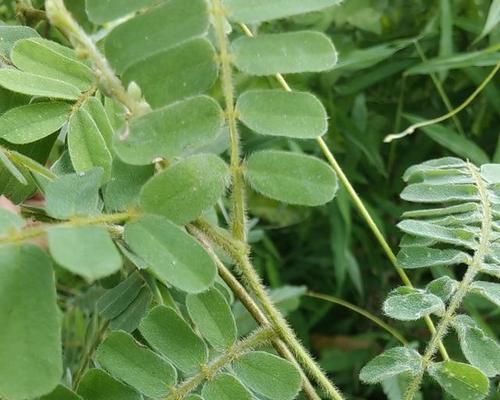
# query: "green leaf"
[[489, 56], [429, 193], [61, 393], [87, 251], [32, 122], [157, 29], [453, 141], [225, 387], [462, 381], [190, 124], [435, 164], [130, 318], [479, 349], [116, 300], [492, 20], [183, 191], [291, 178], [9, 35], [36, 85], [169, 334], [13, 171], [174, 256], [185, 70], [74, 195], [491, 173], [489, 290], [136, 365], [253, 11], [298, 115], [391, 363], [98, 385], [442, 287], [49, 59], [291, 52], [438, 212], [9, 222], [421, 257], [268, 375], [212, 315], [100, 11], [122, 191], [86, 146], [408, 304], [460, 237], [30, 341]]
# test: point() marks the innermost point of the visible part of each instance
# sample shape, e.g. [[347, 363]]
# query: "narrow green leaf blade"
[[190, 124], [225, 387], [183, 191], [291, 178], [87, 251], [30, 341], [254, 11], [36, 85], [462, 381], [269, 375], [116, 300], [168, 333], [98, 385], [291, 52], [297, 115], [185, 70], [174, 256], [124, 358], [213, 317], [391, 363], [408, 304], [32, 122], [157, 29], [44, 57], [428, 193]]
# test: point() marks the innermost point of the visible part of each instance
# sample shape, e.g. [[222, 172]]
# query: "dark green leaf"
[[225, 387], [98, 385]]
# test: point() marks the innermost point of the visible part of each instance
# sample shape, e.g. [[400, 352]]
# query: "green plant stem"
[[258, 338], [61, 18], [361, 208], [370, 316], [253, 309], [440, 89], [278, 322], [40, 230], [463, 288], [412, 128], [238, 195]]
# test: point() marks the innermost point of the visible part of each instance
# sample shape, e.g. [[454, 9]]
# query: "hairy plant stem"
[[252, 307], [253, 283], [463, 288], [40, 230], [258, 338], [361, 208], [61, 18], [238, 195]]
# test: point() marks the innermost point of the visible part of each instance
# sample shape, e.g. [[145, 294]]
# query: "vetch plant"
[[130, 125], [461, 230]]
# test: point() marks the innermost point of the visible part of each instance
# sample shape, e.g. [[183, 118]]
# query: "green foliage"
[[162, 168]]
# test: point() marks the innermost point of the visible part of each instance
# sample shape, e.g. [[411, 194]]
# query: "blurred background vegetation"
[[399, 60]]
